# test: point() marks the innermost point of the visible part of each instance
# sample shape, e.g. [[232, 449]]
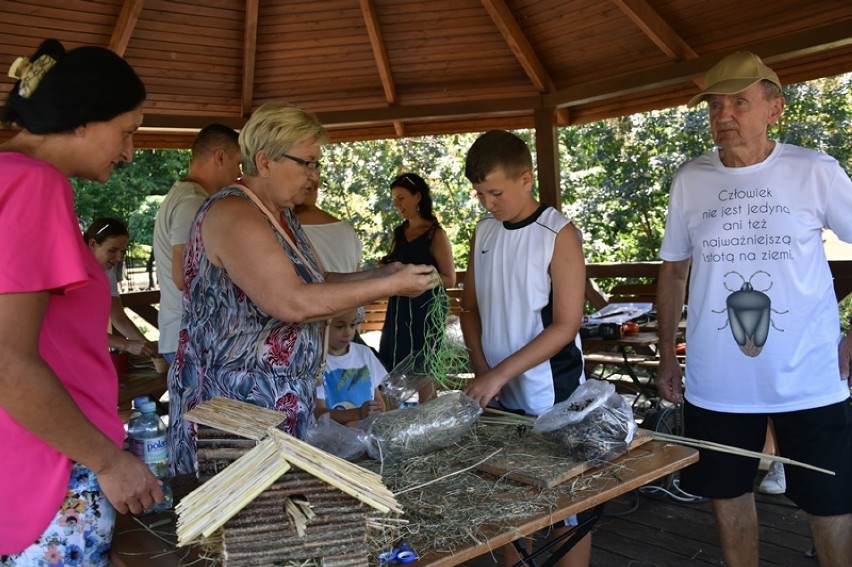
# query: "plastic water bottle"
[[147, 436]]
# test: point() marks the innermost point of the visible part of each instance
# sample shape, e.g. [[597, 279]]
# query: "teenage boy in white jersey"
[[763, 328], [523, 296]]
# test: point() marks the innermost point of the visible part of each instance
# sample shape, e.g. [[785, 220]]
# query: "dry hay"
[[462, 509]]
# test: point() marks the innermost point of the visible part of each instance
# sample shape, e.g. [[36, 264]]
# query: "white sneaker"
[[774, 482]]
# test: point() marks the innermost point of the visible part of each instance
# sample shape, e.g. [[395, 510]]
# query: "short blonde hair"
[[275, 128]]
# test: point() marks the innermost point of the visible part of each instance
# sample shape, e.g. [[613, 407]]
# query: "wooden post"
[[547, 153]]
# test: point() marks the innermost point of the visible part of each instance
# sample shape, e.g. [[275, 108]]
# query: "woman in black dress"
[[418, 240]]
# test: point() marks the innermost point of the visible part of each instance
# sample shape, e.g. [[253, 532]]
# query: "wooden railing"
[[638, 285], [639, 281]]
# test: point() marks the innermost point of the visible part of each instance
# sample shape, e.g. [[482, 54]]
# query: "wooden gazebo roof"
[[392, 68]]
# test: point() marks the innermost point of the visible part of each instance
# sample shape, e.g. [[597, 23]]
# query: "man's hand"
[[845, 357], [669, 380]]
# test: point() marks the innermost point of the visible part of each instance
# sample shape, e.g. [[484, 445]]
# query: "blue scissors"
[[400, 554]]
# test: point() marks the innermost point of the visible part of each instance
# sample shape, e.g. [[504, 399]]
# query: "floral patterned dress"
[[229, 347]]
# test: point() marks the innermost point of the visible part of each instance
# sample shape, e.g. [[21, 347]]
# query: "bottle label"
[[154, 452]]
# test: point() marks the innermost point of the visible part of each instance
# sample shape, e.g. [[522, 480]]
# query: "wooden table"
[[135, 547], [660, 459], [141, 380], [624, 356]]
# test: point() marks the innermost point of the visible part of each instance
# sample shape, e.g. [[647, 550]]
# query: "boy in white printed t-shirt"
[[349, 391]]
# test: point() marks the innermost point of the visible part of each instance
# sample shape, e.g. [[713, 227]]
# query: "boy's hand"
[[372, 407], [483, 389]]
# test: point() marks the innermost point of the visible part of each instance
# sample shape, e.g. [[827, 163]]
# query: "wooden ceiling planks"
[[389, 68]]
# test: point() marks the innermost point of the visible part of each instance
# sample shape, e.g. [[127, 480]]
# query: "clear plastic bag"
[[405, 379], [595, 424], [345, 442], [588, 396], [421, 429]]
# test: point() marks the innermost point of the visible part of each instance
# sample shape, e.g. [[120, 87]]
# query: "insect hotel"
[[255, 508]]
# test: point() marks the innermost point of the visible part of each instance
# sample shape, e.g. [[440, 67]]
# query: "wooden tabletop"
[[142, 379], [640, 339], [640, 466]]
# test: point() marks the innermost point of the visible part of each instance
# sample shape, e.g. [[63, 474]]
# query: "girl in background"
[[108, 238]]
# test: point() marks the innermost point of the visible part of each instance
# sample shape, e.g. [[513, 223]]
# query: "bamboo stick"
[[733, 450], [297, 516]]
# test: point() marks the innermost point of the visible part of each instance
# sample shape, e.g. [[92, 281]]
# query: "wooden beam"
[[505, 21], [547, 157], [380, 54], [368, 116], [125, 25], [249, 56], [823, 38], [830, 36], [524, 52], [657, 29]]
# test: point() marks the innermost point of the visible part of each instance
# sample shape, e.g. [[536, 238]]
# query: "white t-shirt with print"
[[762, 325], [351, 379]]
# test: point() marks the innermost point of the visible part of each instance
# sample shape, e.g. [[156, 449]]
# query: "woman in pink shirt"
[[64, 473]]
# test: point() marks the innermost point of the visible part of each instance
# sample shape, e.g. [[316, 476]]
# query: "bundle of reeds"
[[239, 418], [350, 478]]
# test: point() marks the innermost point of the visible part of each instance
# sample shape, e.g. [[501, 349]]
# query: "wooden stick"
[[709, 445], [297, 516], [522, 418]]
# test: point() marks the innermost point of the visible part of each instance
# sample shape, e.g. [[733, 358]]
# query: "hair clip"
[[30, 73]]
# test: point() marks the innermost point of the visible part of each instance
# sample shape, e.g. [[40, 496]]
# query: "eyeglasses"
[[311, 166]]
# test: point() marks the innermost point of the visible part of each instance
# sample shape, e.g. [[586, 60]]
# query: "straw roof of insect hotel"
[[258, 509]]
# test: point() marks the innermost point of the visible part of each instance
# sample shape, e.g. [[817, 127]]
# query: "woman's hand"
[[128, 484], [414, 279], [384, 270], [144, 348]]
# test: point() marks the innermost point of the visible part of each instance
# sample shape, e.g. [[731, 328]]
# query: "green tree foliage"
[[125, 195], [616, 175], [819, 116], [355, 185]]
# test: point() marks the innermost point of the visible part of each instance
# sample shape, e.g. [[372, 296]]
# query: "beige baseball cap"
[[735, 73]]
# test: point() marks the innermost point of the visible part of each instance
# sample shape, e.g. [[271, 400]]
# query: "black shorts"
[[821, 437]]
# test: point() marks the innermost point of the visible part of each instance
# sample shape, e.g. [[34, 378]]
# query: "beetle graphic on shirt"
[[749, 313]]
